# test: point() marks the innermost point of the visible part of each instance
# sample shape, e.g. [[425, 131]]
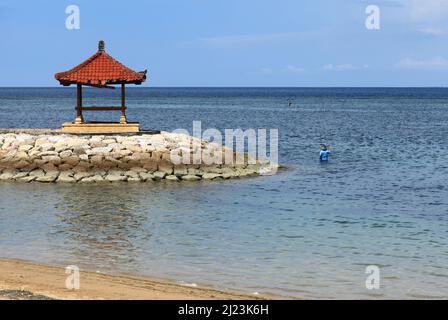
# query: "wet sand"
[[20, 280]]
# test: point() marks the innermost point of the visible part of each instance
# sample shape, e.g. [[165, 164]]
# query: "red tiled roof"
[[100, 70]]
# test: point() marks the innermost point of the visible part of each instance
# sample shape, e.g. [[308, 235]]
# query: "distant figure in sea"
[[324, 153]]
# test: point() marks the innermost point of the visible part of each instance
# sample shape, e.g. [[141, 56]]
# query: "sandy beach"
[[20, 280]]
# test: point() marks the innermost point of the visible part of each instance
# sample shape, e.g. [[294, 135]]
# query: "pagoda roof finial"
[[101, 46]]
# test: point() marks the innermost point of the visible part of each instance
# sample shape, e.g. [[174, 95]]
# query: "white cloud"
[[418, 10], [426, 10], [293, 69], [266, 70], [338, 67], [288, 69], [433, 31], [254, 39], [437, 63]]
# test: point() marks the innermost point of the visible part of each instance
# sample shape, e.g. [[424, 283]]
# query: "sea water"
[[308, 232]]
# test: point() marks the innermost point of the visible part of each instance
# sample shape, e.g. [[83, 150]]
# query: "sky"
[[294, 43]]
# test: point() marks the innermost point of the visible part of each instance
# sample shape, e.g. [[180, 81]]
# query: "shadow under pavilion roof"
[[100, 70]]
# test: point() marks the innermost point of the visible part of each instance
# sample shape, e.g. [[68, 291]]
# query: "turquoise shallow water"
[[309, 231]]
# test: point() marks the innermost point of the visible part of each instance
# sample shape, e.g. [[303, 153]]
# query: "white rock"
[[66, 154], [37, 173], [27, 179], [146, 176], [8, 175], [115, 178], [47, 147], [95, 178], [191, 177], [80, 175], [99, 151], [172, 178], [25, 147], [211, 176], [49, 177], [20, 175], [66, 177]]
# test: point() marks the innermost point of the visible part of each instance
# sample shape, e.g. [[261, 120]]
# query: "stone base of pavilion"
[[35, 155], [100, 128]]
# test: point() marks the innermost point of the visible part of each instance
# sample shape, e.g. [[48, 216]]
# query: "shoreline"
[[24, 280]]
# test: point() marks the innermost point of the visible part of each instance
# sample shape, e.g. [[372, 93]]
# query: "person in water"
[[324, 153]]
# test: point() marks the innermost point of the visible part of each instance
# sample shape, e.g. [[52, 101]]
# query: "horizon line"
[[237, 87]]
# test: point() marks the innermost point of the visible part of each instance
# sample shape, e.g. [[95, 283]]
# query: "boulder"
[[47, 147], [71, 160], [134, 148], [65, 154], [132, 174], [191, 177], [180, 170], [20, 175], [109, 141], [146, 176], [52, 159], [66, 177], [21, 164], [150, 166], [97, 160], [82, 174], [7, 175], [25, 147], [159, 175], [165, 166], [115, 178], [95, 178], [37, 173], [99, 151], [47, 154], [48, 177], [211, 176], [79, 150], [97, 144], [138, 169], [27, 179], [40, 142]]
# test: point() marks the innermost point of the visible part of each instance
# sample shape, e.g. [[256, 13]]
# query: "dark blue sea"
[[308, 232]]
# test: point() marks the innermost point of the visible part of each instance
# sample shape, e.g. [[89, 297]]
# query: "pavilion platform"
[[100, 128]]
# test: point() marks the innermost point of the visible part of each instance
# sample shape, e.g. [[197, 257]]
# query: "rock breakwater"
[[56, 157]]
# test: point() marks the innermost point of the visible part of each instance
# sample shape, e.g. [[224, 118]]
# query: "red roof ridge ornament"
[[101, 46], [101, 70]]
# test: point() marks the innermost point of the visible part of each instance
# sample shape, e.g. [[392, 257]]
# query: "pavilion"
[[101, 71]]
